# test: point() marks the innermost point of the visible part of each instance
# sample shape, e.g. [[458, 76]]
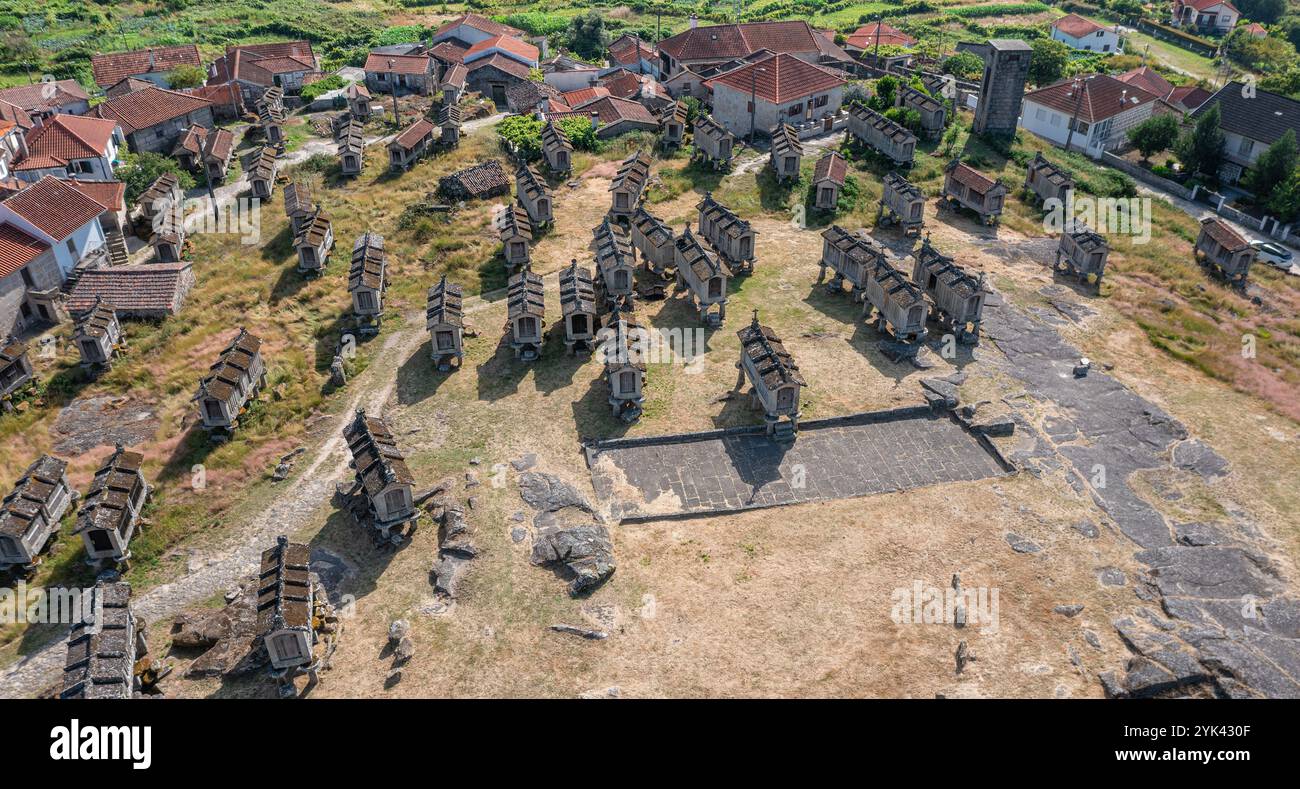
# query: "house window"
[[749, 106], [822, 101], [795, 109], [72, 247], [1056, 119], [1040, 114], [1247, 145]]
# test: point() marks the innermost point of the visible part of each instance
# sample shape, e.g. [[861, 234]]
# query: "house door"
[[498, 92]]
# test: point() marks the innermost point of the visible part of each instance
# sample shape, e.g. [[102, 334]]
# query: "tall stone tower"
[[1006, 65]]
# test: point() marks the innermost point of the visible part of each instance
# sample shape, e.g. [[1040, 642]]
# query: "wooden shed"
[[731, 236], [828, 179], [899, 305], [699, 271], [556, 148], [967, 187], [444, 319], [578, 306], [933, 112], [712, 142], [30, 514], [382, 475], [97, 333], [352, 149], [298, 204], [623, 343], [653, 240], [787, 153], [1046, 180], [774, 376], [313, 242], [410, 144], [534, 195], [526, 309], [1222, 250], [15, 368], [1082, 253], [901, 203], [615, 264], [516, 234], [231, 383], [672, 125], [111, 509], [358, 98], [368, 281], [261, 175], [890, 139], [103, 649], [629, 181], [957, 296]]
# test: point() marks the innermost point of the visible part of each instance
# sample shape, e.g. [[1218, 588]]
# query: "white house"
[[1206, 16], [77, 146], [1084, 34], [785, 90], [1090, 114], [56, 214]]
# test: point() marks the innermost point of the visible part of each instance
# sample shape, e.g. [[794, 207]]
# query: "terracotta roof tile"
[[780, 78], [721, 42], [1103, 97], [398, 64], [147, 289], [111, 68], [42, 97], [53, 207], [832, 166], [149, 107], [17, 249]]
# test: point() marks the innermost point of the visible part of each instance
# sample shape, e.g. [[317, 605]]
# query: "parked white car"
[[1275, 255]]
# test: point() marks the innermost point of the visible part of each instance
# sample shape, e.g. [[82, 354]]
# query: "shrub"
[[322, 86], [142, 169]]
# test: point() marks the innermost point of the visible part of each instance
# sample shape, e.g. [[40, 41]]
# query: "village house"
[[1205, 16], [153, 65], [628, 184], [232, 382], [1249, 125], [784, 89], [111, 196], [787, 153], [516, 234], [565, 72], [410, 145], [97, 333], [712, 143], [287, 600], [890, 139], [774, 376], [444, 319], [27, 267], [653, 240], [578, 307], [733, 237], [30, 514], [1090, 114], [299, 206], [1046, 180], [41, 101], [261, 174], [698, 269], [495, 56], [15, 368], [358, 99], [625, 366], [524, 98], [630, 52], [148, 291], [368, 281], [493, 75], [401, 74], [449, 123], [103, 650], [1082, 253], [700, 47], [71, 146], [153, 119], [227, 101], [933, 112], [255, 68], [110, 511], [828, 179], [672, 125], [967, 187], [902, 203], [526, 309], [957, 296], [313, 241], [612, 116], [534, 195], [382, 475], [556, 148], [1083, 34], [1224, 251], [869, 39], [615, 264], [624, 84], [352, 149], [898, 305], [60, 217]]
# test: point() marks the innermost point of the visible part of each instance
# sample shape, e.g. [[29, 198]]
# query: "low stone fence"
[[1146, 176]]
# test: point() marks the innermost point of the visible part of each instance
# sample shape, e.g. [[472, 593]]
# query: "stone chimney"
[[546, 49], [595, 119], [695, 21]]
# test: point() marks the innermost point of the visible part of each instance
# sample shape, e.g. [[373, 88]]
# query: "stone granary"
[[653, 240], [1002, 87], [412, 143], [103, 649], [787, 153], [295, 620], [628, 184], [314, 240], [452, 83], [699, 271], [615, 264], [625, 368], [969, 188], [168, 240], [775, 378], [730, 235], [712, 143], [899, 306], [368, 281], [444, 319], [111, 508], [851, 256], [534, 195], [274, 98], [298, 204], [1082, 253], [932, 111], [958, 297], [261, 176], [232, 382], [358, 97], [218, 148], [270, 119], [449, 120], [556, 148], [901, 202], [352, 149], [1222, 250], [828, 179], [1046, 180], [97, 333], [891, 140], [15, 368], [381, 495], [516, 233], [161, 198], [578, 306], [479, 182], [672, 125], [526, 315], [30, 514]]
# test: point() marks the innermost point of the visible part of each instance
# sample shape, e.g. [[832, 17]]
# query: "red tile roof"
[[1147, 79], [398, 64], [12, 113], [1188, 96], [1223, 234], [1201, 5], [145, 289], [53, 207], [478, 22], [576, 98], [968, 176], [1103, 97], [449, 51], [865, 37], [506, 45], [610, 110], [455, 76], [149, 107], [42, 96], [258, 63], [224, 95], [628, 50], [220, 144], [17, 249], [1076, 26], [111, 68], [69, 137], [110, 194], [724, 42], [125, 86], [831, 166], [779, 79], [501, 63], [411, 135]]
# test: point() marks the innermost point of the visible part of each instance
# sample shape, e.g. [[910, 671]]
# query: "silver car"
[[1275, 255]]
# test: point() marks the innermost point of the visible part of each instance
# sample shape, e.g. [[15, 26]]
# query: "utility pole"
[[1079, 87], [876, 52], [753, 98]]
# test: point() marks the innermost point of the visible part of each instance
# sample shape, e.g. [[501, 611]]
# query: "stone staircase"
[[117, 253]]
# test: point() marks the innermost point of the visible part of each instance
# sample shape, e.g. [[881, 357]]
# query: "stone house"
[[765, 91], [526, 309], [30, 514], [534, 195], [97, 333], [153, 65], [231, 383], [699, 270], [382, 475], [313, 242], [368, 281], [444, 319], [901, 202], [401, 74], [516, 234], [958, 297], [828, 179], [879, 133], [732, 237], [111, 508], [774, 376], [712, 142], [629, 182], [969, 188], [578, 307], [1082, 253], [653, 240], [153, 119]]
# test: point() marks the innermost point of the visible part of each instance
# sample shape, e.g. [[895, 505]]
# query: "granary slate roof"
[[897, 286], [313, 232], [554, 138], [577, 291], [512, 222], [613, 246], [1054, 173], [524, 295], [487, 179], [164, 187], [705, 125], [11, 350], [443, 305], [895, 132], [919, 99], [101, 653], [32, 492], [368, 269], [629, 350], [284, 589], [413, 134], [1084, 237], [352, 138], [971, 178], [831, 167], [785, 141], [232, 366], [652, 227], [265, 164], [95, 321], [270, 114], [1223, 234], [298, 199], [529, 182], [703, 263], [773, 362], [449, 115], [144, 290], [953, 277], [674, 112], [723, 218], [632, 173], [901, 186], [378, 461], [107, 503]]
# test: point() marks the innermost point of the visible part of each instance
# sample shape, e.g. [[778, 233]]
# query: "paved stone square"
[[741, 471]]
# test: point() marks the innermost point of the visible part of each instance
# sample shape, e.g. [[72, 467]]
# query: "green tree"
[[1284, 201], [139, 170], [1155, 134], [963, 65], [886, 94], [588, 36], [1201, 149], [1274, 166], [186, 76], [1047, 61], [1265, 12]]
